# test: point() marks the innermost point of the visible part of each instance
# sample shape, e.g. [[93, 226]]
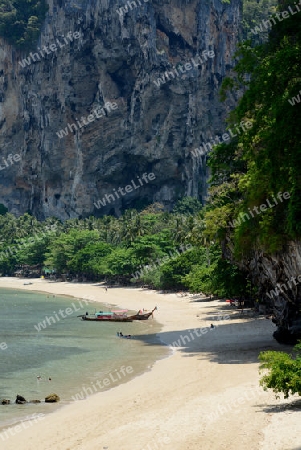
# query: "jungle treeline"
[[163, 250]]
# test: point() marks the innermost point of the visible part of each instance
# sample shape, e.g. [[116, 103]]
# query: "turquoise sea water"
[[77, 355]]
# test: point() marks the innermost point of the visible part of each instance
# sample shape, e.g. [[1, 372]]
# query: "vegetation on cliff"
[[253, 15], [264, 161], [21, 21]]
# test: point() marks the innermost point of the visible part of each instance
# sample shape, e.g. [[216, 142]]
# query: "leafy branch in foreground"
[[284, 372]]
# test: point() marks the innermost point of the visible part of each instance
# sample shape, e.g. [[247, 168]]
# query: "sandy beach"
[[206, 395]]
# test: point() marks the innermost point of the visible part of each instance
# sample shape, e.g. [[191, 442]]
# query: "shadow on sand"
[[227, 342], [295, 405]]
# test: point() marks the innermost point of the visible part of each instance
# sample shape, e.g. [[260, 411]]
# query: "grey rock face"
[[116, 59], [279, 279]]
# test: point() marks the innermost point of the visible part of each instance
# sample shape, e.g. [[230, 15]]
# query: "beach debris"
[[20, 400], [5, 402], [52, 398]]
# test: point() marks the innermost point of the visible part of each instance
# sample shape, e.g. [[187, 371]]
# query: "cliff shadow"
[[225, 343]]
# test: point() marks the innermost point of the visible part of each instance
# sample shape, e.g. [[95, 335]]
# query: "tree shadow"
[[225, 309], [294, 405], [224, 339]]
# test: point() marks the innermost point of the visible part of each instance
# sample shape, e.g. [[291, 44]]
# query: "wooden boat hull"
[[144, 316], [141, 316], [111, 319]]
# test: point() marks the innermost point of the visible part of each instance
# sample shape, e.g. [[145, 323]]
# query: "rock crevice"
[[117, 58]]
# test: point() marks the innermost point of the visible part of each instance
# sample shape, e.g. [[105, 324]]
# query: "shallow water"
[[80, 357]]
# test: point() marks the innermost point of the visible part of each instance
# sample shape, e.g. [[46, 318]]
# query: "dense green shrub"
[[164, 250], [21, 21], [284, 372], [263, 161]]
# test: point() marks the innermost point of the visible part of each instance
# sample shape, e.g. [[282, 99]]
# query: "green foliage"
[[3, 210], [264, 160], [173, 271], [86, 260], [21, 21], [187, 205], [284, 372], [254, 12], [121, 261], [158, 248], [24, 240], [34, 253], [150, 247], [213, 275], [152, 278], [65, 251]]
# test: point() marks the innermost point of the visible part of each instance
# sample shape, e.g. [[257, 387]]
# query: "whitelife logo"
[[97, 113], [12, 250], [186, 339], [183, 68], [123, 10], [272, 21], [128, 189], [49, 320], [154, 265], [34, 57], [102, 384], [295, 100], [203, 150], [9, 161], [245, 216], [3, 346], [25, 423], [286, 286]]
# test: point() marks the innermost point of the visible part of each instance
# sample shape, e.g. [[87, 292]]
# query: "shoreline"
[[204, 393], [111, 380]]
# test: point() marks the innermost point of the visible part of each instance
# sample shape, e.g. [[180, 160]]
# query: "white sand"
[[205, 396]]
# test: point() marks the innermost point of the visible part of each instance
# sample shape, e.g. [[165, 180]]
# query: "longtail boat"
[[142, 316], [107, 317]]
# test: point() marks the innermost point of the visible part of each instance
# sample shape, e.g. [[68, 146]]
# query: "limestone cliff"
[[278, 279], [117, 57]]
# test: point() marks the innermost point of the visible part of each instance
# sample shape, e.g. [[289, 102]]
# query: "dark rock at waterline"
[[34, 401], [52, 398], [5, 402], [20, 400]]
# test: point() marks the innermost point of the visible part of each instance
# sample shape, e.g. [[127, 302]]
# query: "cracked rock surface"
[[116, 59]]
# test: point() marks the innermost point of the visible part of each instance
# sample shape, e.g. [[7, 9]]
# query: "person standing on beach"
[[241, 305]]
